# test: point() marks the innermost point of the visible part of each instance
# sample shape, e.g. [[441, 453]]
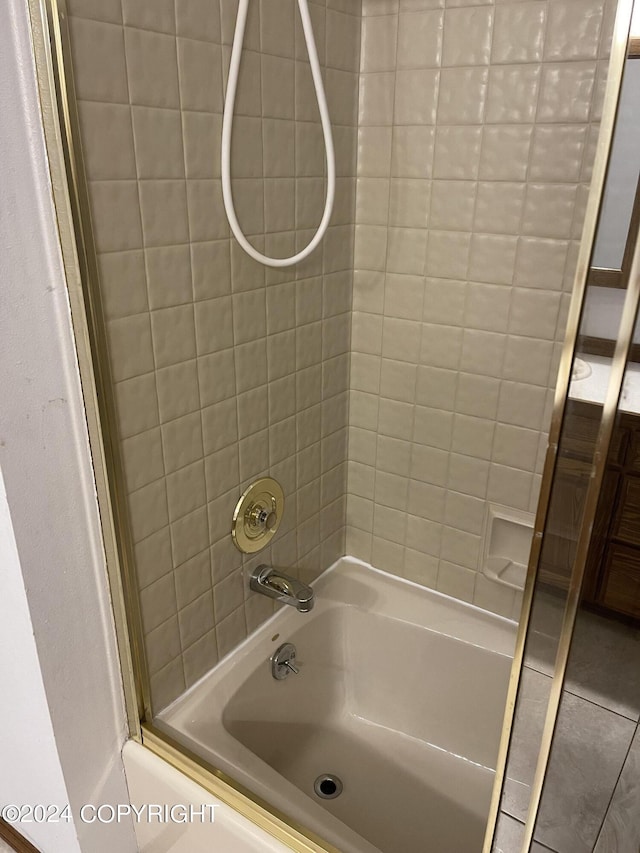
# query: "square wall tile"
[[379, 39], [462, 95], [376, 99], [457, 153], [574, 30], [566, 90], [420, 39], [518, 34], [122, 282], [198, 19], [416, 94], [152, 68], [115, 209], [99, 61], [108, 141], [467, 38], [163, 206], [412, 151], [512, 94], [200, 67]]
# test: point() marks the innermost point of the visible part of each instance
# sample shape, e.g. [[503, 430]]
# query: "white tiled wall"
[[224, 371], [477, 126]]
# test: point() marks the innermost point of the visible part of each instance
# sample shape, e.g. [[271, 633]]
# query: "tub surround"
[[398, 380], [388, 671], [223, 371], [476, 135]]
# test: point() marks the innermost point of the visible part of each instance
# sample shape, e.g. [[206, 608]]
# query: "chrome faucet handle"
[[260, 517], [282, 661]]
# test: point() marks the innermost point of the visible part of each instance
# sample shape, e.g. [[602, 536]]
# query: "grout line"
[[573, 692], [535, 841]]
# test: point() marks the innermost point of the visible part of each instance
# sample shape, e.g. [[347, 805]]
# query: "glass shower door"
[[570, 782]]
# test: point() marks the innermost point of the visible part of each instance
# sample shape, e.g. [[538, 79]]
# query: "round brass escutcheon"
[[257, 515]]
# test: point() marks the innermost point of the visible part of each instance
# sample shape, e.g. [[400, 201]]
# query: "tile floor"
[[591, 801]]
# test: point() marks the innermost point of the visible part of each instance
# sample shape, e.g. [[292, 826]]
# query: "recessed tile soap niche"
[[506, 545]]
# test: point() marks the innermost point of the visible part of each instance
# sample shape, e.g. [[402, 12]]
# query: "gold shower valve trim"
[[257, 515]]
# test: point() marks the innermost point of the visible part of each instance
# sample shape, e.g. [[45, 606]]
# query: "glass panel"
[[575, 467], [622, 178], [571, 813], [591, 798]]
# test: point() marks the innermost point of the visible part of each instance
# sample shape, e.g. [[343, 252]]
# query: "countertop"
[[593, 388]]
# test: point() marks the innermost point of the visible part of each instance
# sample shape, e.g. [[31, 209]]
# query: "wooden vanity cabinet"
[[571, 481], [621, 580], [618, 571], [612, 576], [563, 521]]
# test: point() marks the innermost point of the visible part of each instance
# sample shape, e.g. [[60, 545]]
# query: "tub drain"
[[328, 786]]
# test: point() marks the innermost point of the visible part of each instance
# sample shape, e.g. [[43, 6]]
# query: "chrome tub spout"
[[285, 589]]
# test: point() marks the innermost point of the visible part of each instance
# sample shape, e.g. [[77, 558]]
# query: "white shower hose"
[[227, 130]]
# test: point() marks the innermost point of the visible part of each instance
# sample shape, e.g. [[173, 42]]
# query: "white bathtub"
[[400, 693]]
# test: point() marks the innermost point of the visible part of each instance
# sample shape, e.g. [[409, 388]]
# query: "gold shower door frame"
[[51, 47]]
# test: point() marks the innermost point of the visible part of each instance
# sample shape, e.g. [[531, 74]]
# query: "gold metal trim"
[[616, 68], [49, 19], [257, 515], [239, 798], [50, 92]]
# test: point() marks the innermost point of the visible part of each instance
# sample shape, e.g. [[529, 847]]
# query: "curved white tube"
[[227, 130]]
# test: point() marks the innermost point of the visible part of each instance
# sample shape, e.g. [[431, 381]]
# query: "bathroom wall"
[[224, 371], [602, 311], [477, 130], [62, 717]]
